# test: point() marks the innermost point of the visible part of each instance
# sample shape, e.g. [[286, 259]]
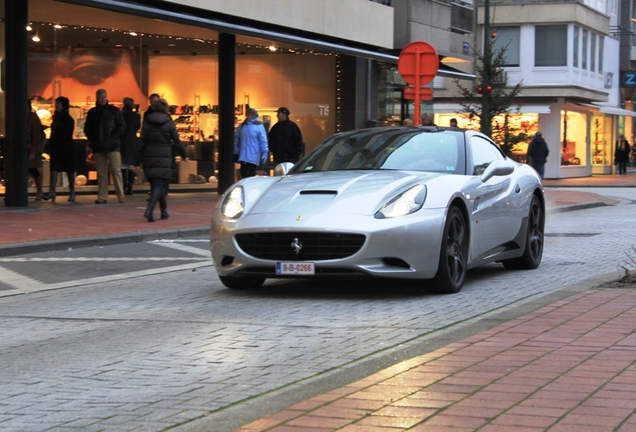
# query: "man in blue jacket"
[[250, 144]]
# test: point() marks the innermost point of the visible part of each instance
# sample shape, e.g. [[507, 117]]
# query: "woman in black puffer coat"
[[159, 136]]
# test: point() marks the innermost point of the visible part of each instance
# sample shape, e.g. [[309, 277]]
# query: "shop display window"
[[573, 138], [601, 139], [75, 60]]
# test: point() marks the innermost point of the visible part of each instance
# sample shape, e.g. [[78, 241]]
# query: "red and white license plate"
[[295, 268]]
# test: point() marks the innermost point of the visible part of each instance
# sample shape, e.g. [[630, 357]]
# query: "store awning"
[[616, 111], [152, 10], [607, 109]]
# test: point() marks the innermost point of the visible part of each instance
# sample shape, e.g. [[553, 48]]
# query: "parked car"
[[423, 203]]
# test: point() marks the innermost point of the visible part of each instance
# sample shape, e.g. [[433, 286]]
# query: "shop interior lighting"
[[272, 48], [36, 37], [28, 27]]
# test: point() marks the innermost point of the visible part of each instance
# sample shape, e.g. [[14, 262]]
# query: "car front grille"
[[311, 246]]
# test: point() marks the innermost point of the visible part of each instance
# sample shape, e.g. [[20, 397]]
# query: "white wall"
[[355, 20]]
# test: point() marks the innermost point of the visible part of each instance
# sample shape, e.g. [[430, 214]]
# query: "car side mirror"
[[282, 169], [497, 168]]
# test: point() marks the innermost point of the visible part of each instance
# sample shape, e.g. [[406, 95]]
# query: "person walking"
[[34, 149], [104, 128], [129, 145], [250, 144], [621, 155], [159, 137], [62, 148], [537, 154], [285, 139]]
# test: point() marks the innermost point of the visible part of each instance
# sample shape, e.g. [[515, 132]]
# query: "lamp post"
[[487, 79]]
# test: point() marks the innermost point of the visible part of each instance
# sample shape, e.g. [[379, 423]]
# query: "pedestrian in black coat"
[[285, 138], [621, 155], [159, 137], [62, 148], [537, 155], [129, 145]]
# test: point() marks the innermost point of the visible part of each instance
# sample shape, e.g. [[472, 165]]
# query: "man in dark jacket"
[[285, 139], [104, 128], [621, 155], [537, 154]]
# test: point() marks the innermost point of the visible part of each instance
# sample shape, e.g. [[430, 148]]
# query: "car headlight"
[[233, 203], [407, 202]]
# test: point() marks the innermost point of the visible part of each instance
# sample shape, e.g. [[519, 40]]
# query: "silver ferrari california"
[[419, 203]]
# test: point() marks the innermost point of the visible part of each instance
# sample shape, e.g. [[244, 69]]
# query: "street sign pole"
[[416, 101], [418, 64]]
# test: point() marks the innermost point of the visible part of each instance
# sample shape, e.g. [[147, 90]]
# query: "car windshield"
[[389, 149]]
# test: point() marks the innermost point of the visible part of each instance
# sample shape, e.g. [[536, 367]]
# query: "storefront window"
[[393, 108], [573, 134], [180, 63], [601, 139]]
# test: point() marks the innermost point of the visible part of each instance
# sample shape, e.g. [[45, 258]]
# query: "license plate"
[[295, 268]]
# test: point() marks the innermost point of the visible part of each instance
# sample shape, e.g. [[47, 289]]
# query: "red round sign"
[[418, 58]]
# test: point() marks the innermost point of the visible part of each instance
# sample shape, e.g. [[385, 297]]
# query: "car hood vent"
[[319, 192]]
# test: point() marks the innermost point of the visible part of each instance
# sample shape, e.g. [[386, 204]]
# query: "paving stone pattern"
[[153, 353]]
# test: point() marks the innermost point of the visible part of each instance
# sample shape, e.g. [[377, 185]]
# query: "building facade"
[[331, 63], [566, 55]]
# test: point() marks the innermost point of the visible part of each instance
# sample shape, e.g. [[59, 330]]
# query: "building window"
[[552, 39], [601, 41], [592, 52], [584, 50], [508, 38], [573, 135], [575, 47]]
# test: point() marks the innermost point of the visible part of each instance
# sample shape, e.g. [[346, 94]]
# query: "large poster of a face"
[[77, 73]]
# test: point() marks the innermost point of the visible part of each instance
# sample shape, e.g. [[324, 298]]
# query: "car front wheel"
[[453, 260], [239, 283]]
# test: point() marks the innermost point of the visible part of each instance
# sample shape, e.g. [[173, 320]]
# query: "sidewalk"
[[45, 226], [567, 366]]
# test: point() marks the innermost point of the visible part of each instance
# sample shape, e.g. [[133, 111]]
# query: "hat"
[[283, 110]]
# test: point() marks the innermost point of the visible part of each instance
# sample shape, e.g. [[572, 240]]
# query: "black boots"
[[50, 195], [38, 186], [71, 186], [129, 180]]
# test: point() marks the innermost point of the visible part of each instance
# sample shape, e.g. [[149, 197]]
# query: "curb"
[[113, 239], [573, 207]]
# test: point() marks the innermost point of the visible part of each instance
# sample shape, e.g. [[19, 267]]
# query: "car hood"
[[357, 192]]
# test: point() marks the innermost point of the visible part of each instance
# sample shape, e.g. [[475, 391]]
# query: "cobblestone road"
[[157, 351]]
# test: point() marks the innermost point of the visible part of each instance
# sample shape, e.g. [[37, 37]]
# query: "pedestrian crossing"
[[19, 274]]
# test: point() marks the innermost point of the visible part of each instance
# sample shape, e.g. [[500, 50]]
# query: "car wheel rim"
[[535, 241], [456, 256]]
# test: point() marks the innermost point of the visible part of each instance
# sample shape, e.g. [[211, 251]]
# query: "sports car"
[[419, 203]]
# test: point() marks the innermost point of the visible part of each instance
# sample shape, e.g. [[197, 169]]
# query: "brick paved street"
[[154, 352]]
